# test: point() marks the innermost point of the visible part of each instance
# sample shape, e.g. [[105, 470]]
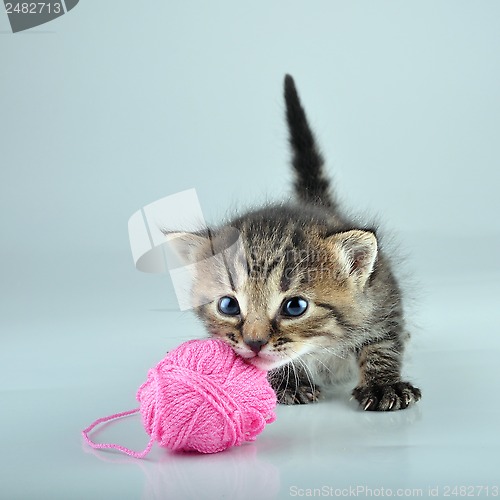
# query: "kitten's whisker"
[[307, 371], [297, 379], [330, 349], [319, 361], [287, 376]]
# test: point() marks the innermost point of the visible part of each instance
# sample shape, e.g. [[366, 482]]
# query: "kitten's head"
[[279, 282]]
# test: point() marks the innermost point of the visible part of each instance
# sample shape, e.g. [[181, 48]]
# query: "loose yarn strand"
[[123, 449]]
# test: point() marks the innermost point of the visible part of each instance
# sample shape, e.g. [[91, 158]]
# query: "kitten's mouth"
[[263, 364], [263, 361]]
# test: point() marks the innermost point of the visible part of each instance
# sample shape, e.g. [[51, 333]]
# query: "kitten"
[[298, 289]]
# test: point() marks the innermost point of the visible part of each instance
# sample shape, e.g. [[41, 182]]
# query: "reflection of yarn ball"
[[204, 397]]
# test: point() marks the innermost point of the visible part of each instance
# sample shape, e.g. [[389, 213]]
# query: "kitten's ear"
[[356, 251], [184, 248]]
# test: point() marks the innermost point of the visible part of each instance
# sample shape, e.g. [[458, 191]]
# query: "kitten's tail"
[[311, 185]]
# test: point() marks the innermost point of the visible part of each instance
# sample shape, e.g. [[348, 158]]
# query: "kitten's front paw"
[[303, 394], [386, 397]]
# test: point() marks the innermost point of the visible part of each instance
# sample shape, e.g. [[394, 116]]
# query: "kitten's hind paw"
[[388, 397], [303, 394]]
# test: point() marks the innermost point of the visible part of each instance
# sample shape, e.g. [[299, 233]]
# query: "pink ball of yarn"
[[202, 396]]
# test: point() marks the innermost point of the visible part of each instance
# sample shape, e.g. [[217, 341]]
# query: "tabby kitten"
[[298, 289]]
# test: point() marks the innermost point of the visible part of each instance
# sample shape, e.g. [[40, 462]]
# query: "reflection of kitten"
[[304, 292]]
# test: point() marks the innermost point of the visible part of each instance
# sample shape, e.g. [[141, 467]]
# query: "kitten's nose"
[[255, 345]]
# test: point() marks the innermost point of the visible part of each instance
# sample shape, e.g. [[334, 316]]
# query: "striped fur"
[[305, 249]]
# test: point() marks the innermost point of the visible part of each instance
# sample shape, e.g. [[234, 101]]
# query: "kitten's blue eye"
[[229, 306], [294, 307]]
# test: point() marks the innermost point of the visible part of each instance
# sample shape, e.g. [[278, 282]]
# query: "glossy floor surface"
[[79, 344]]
